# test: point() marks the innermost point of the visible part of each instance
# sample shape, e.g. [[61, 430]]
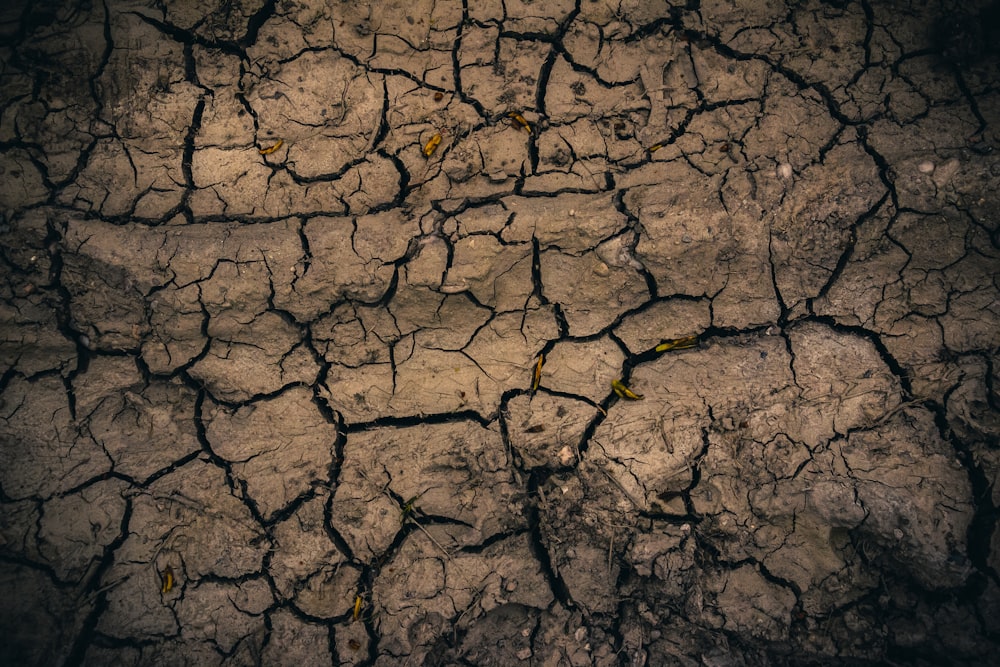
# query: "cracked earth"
[[311, 310]]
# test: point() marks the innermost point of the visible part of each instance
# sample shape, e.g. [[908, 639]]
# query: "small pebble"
[[785, 171], [925, 167], [686, 238], [946, 172], [566, 455]]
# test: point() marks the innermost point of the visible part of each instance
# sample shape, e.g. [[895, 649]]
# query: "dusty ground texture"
[[277, 276]]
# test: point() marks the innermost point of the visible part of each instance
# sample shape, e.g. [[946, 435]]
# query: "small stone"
[[524, 654], [925, 167], [947, 171], [580, 634], [686, 238], [566, 456], [602, 269], [784, 171]]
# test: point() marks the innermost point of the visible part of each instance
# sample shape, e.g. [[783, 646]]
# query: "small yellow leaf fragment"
[[654, 148], [520, 120], [685, 343], [625, 392], [357, 607], [537, 376], [270, 149], [432, 145], [166, 580]]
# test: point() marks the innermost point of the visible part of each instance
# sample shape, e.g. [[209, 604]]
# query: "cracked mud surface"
[[280, 278]]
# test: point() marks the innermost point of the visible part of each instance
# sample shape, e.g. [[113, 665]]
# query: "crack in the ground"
[[452, 319]]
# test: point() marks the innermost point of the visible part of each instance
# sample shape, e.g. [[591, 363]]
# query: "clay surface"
[[593, 332]]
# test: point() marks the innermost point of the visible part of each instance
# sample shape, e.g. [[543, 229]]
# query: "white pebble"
[[566, 455], [784, 171], [925, 167]]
